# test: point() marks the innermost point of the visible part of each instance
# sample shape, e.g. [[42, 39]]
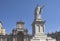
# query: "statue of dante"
[[38, 11]]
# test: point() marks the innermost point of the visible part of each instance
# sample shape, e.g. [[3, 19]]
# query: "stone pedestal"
[[42, 37]]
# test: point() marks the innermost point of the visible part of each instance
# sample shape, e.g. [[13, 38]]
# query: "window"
[[38, 28]]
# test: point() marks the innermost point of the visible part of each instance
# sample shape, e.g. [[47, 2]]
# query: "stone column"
[[13, 39], [16, 38], [27, 39], [5, 39], [24, 39], [1, 39]]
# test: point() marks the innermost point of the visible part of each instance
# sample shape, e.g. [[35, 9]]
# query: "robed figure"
[[38, 11]]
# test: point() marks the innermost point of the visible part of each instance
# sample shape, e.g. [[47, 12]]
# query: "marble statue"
[[38, 11]]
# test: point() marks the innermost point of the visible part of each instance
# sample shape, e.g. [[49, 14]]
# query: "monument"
[[38, 27]]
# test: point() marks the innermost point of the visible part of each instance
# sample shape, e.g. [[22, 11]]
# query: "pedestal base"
[[42, 37]]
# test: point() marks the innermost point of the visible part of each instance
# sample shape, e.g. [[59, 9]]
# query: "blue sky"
[[12, 11]]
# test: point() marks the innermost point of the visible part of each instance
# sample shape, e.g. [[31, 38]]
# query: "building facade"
[[21, 34], [2, 30], [18, 34]]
